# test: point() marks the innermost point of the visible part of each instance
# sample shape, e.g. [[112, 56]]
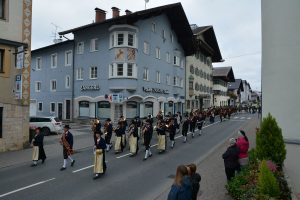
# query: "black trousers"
[[172, 136], [108, 138], [184, 133], [192, 127], [230, 173], [42, 155]]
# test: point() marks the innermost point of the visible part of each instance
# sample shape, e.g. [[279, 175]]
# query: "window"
[[1, 121], [52, 107], [120, 39], [1, 60], [146, 48], [79, 74], [68, 58], [168, 79], [93, 73], [174, 80], [38, 63], [191, 85], [176, 60], [53, 60], [157, 53], [2, 9], [38, 85], [157, 77], [68, 82], [130, 40], [94, 45], [146, 74], [120, 70], [53, 85], [40, 106], [153, 27], [129, 70], [168, 58], [182, 63], [192, 69], [112, 40], [181, 82], [172, 37], [163, 34], [80, 47]]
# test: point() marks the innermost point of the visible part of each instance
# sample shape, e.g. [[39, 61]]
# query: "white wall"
[[280, 64]]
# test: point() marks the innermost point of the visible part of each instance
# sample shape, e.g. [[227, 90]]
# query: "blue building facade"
[[131, 65]]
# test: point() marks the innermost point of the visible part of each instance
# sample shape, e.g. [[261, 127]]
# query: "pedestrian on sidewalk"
[[38, 152], [67, 143], [195, 180], [181, 188], [243, 145], [99, 158], [231, 159]]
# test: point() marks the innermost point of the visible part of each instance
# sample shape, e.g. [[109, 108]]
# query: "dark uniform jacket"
[[231, 157]]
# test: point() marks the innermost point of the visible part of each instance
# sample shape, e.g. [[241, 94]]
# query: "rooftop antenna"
[[146, 1], [55, 33]]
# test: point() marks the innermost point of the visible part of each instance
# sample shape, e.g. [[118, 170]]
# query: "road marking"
[[124, 155], [78, 170], [243, 117], [249, 118], [26, 187], [237, 120], [236, 117]]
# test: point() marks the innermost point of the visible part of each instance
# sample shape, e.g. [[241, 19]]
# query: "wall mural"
[[130, 54], [119, 54]]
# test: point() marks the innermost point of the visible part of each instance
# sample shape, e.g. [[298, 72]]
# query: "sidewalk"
[[211, 169], [292, 167]]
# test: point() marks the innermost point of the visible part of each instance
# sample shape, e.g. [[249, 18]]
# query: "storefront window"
[[131, 109], [84, 109], [148, 108], [103, 109], [169, 107]]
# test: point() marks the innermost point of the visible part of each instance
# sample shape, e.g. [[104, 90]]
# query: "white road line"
[[26, 187], [243, 117], [237, 120], [124, 155], [78, 170], [236, 117], [249, 118]]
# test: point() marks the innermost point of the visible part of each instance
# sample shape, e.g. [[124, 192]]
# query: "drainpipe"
[[73, 81]]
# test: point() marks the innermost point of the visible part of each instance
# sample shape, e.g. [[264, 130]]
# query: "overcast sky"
[[237, 24]]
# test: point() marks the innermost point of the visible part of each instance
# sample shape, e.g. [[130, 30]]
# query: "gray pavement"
[[126, 178]]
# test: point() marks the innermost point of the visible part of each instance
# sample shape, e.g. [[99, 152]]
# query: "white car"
[[47, 124]]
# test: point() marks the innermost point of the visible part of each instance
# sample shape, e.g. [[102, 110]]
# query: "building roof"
[[236, 85], [174, 12], [52, 45], [210, 44], [224, 73]]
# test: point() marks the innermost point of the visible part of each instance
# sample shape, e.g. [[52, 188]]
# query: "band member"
[[133, 138], [193, 121], [172, 130], [118, 143], [159, 115], [99, 158], [161, 134], [185, 128], [150, 117], [67, 143], [37, 143], [200, 122], [147, 132], [108, 129], [123, 125], [96, 128], [138, 124]]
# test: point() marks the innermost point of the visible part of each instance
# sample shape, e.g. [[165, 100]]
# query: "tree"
[[269, 141]]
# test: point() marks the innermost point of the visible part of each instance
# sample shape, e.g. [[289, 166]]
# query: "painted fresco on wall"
[[130, 54], [119, 54]]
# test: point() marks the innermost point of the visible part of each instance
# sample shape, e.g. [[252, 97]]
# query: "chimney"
[[128, 12], [115, 12], [100, 15]]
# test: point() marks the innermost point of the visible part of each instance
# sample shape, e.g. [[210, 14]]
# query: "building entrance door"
[[68, 109], [60, 111]]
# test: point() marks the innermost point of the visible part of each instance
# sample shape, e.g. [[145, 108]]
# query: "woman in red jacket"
[[243, 146]]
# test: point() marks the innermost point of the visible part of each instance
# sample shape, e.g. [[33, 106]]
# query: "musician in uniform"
[[96, 128], [99, 158], [133, 138], [172, 130], [118, 143], [185, 128], [108, 129], [37, 143], [161, 133], [193, 121], [138, 124], [200, 122], [67, 143], [147, 132], [123, 125]]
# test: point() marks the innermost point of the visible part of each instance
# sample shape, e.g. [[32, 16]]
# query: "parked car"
[[47, 124]]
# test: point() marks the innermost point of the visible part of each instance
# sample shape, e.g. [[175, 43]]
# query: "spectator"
[[243, 145], [231, 159], [195, 180], [181, 188]]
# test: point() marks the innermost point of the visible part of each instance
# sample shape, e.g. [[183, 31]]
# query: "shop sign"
[[18, 87], [20, 57], [89, 87], [156, 90]]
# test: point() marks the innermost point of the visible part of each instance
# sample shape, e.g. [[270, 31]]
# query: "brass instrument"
[[66, 145]]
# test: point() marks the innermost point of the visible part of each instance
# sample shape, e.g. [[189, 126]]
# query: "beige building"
[[280, 64], [199, 80], [221, 77], [15, 39]]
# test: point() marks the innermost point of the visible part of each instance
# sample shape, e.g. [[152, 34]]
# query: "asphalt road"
[[126, 178]]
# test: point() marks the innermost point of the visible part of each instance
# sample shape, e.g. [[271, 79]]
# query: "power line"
[[244, 55]]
